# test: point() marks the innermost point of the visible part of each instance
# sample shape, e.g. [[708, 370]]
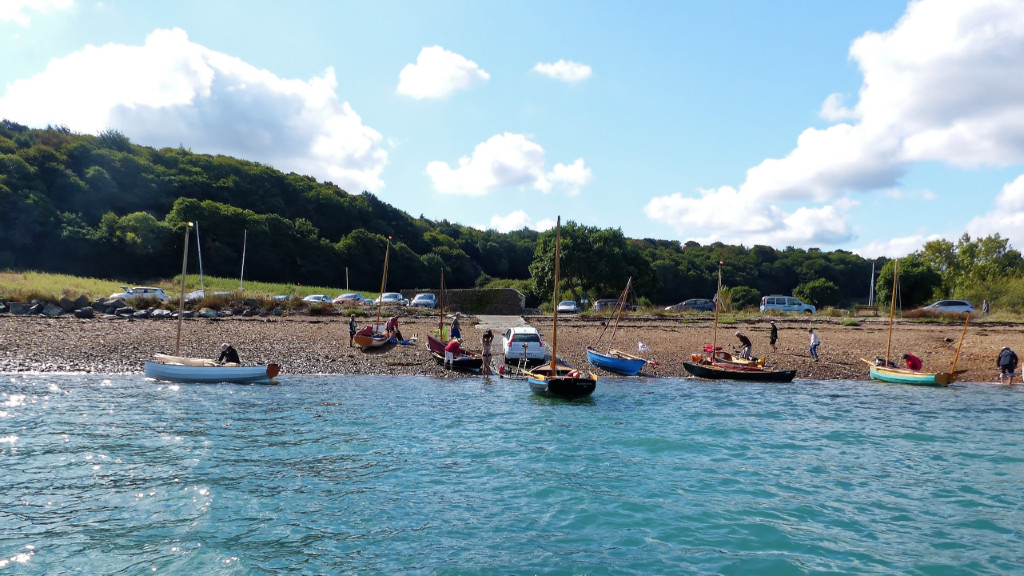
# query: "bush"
[[744, 297], [819, 292]]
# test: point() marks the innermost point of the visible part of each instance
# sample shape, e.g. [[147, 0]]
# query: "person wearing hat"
[[746, 346], [352, 328], [228, 354], [1007, 363], [774, 336]]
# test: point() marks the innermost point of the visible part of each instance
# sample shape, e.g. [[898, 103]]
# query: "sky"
[[871, 127]]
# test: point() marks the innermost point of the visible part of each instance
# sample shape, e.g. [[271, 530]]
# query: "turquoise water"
[[361, 475]]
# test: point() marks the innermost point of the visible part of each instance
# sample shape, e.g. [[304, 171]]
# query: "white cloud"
[[506, 161], [544, 224], [945, 84], [172, 92], [896, 247], [564, 70], [17, 11], [1006, 218], [438, 73], [515, 221]]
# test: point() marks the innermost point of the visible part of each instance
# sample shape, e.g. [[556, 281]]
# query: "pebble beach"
[[305, 344]]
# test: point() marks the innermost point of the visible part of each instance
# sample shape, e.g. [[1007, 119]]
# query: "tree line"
[[102, 206]]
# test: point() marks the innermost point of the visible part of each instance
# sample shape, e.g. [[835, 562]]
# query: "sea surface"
[[114, 474]]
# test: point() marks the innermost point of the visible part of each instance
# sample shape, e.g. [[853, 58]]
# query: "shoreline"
[[319, 344]]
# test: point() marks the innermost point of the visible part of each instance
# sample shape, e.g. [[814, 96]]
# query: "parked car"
[[949, 307], [568, 307], [141, 292], [609, 303], [696, 304], [321, 298], [282, 297], [393, 298], [424, 301], [522, 342], [785, 304], [351, 298]]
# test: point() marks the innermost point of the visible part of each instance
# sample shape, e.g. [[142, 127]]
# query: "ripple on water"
[[114, 474]]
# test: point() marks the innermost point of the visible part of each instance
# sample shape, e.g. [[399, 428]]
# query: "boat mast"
[[181, 301], [440, 319], [718, 303], [554, 300], [892, 308], [621, 307], [241, 277], [383, 281], [199, 250], [952, 371]]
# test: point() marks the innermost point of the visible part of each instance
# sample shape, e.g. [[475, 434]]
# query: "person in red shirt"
[[913, 362], [453, 347]]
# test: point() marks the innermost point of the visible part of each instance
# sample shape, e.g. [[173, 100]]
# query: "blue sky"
[[864, 126]]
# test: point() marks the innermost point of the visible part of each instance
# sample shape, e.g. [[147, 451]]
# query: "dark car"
[[695, 304]]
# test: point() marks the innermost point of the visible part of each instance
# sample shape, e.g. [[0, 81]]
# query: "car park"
[[425, 300], [393, 298], [320, 298], [568, 307], [351, 298], [695, 304], [785, 304], [523, 342], [949, 307], [140, 292]]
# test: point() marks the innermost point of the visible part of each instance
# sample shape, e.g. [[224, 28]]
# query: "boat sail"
[[201, 370], [616, 360], [888, 372], [555, 379], [720, 366]]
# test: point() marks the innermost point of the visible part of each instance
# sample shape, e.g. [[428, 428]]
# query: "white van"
[[785, 304]]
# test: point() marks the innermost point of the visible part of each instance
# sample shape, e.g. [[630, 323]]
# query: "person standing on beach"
[[773, 337], [747, 347], [352, 327], [814, 344], [456, 332], [1007, 363], [984, 306]]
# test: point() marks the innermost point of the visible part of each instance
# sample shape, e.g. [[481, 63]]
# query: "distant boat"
[[374, 336], [201, 370], [886, 372], [556, 379], [722, 366]]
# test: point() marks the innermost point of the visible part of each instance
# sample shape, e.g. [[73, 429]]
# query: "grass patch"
[[849, 323]]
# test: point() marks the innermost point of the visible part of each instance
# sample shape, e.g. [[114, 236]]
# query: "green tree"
[[819, 292], [918, 282]]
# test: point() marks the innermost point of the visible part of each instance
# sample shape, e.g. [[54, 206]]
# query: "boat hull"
[[902, 376], [624, 366], [564, 382], [187, 374], [464, 362], [718, 372]]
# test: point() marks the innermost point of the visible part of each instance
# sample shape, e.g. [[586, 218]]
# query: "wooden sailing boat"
[[716, 367], [201, 370], [374, 335], [887, 373], [616, 360], [554, 379]]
